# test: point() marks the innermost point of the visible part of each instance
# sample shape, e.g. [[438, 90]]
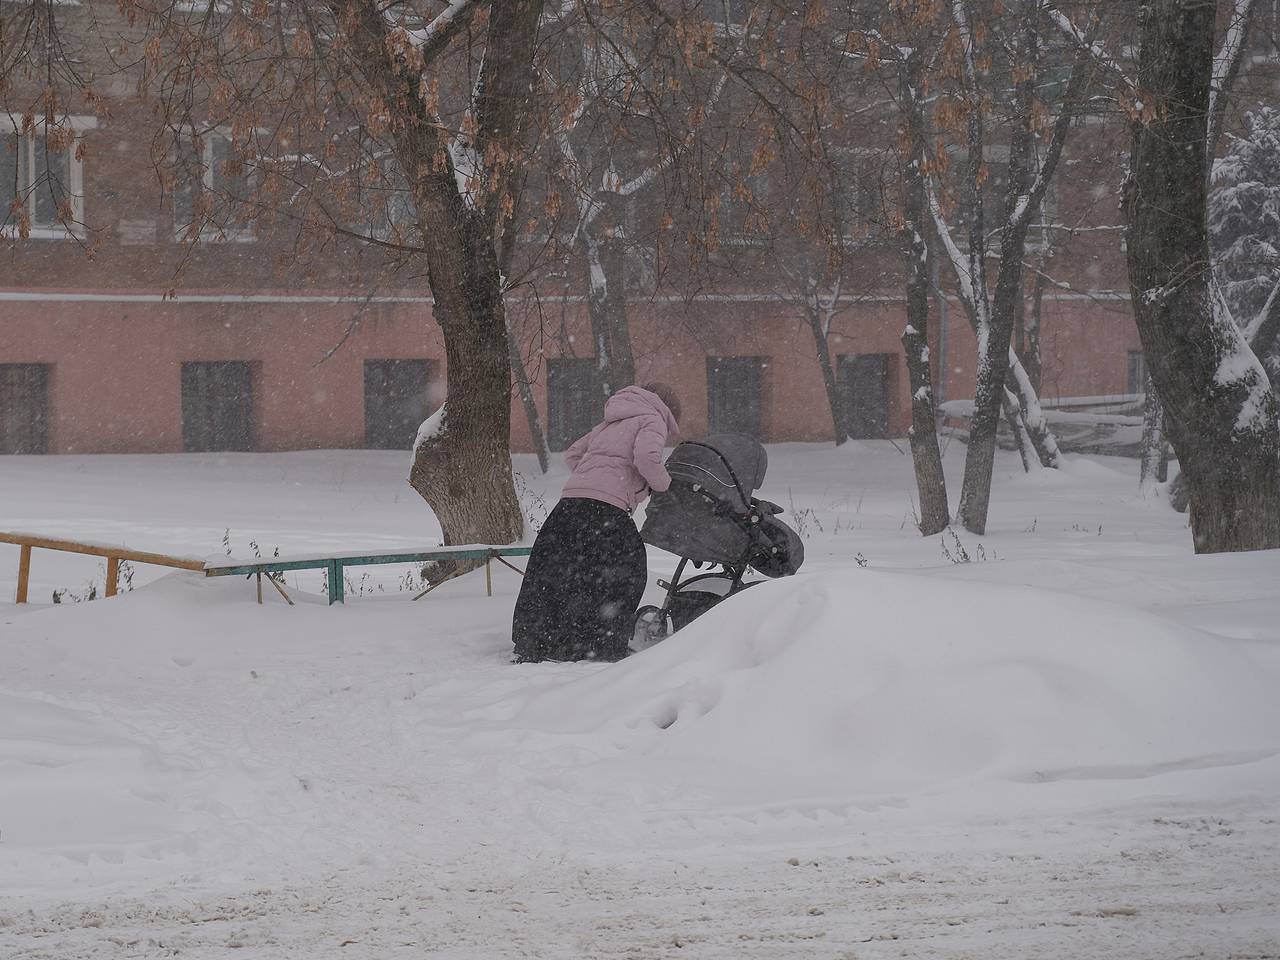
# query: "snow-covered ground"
[[1066, 745]]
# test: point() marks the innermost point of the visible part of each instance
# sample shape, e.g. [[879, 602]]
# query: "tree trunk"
[[926, 458], [1151, 454], [996, 346], [979, 461], [834, 400], [1030, 353], [1017, 421], [521, 375], [605, 255], [464, 472], [1031, 414], [1220, 412]]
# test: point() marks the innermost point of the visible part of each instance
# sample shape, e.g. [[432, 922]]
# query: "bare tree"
[[1017, 39], [666, 110], [903, 43], [406, 127], [931, 484], [1219, 409], [1256, 320]]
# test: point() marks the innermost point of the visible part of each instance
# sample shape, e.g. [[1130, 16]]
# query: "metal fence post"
[[336, 594]]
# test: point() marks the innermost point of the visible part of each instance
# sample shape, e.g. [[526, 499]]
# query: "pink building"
[[88, 371], [266, 347]]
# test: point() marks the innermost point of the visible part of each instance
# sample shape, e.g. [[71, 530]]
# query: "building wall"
[[116, 386], [117, 351]]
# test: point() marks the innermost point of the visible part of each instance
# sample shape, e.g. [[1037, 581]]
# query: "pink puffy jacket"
[[620, 461]]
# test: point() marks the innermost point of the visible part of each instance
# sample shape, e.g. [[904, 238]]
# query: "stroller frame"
[[654, 623], [728, 563]]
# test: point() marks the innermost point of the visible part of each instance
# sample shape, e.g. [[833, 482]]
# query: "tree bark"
[[1031, 415], [1027, 186], [604, 252], [1151, 454], [926, 458], [1021, 435], [812, 313], [1219, 409], [464, 473], [1030, 352], [988, 394], [523, 384]]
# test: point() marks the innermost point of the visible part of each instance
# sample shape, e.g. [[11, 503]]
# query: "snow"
[[1020, 208], [421, 36], [467, 170], [599, 284], [1068, 743], [1098, 51], [431, 428], [910, 702], [1227, 55], [1240, 366]]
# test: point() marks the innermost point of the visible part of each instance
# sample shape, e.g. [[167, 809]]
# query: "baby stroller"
[[709, 517]]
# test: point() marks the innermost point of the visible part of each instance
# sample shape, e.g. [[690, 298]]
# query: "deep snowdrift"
[[859, 684], [184, 728]]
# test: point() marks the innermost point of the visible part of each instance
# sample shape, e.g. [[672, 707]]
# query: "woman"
[[588, 571]]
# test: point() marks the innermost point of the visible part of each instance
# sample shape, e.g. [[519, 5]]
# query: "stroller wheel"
[[650, 627]]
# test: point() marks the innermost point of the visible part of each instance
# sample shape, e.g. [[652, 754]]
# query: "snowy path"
[[183, 772], [1162, 888]]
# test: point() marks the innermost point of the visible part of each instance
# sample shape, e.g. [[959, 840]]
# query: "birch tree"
[[959, 66], [904, 43], [1035, 146], [931, 484], [632, 93], [665, 111]]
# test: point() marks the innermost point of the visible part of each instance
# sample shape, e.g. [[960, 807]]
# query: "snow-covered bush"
[[1244, 219]]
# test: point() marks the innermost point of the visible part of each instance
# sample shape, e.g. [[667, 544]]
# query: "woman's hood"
[[638, 402]]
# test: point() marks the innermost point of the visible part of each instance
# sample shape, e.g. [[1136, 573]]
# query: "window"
[[865, 382], [381, 206], [994, 188], [735, 395], [743, 215], [217, 406], [213, 181], [1266, 31], [728, 15], [995, 195], [575, 403], [867, 173], [1136, 376], [395, 402], [387, 207], [24, 408], [42, 178]]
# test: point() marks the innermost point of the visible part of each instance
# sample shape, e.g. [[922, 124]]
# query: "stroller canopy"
[[707, 514], [728, 466]]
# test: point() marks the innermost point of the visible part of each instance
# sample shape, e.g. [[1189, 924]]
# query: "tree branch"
[[1226, 67], [437, 34], [1095, 49]]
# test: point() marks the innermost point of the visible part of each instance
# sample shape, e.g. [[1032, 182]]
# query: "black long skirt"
[[584, 580]]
